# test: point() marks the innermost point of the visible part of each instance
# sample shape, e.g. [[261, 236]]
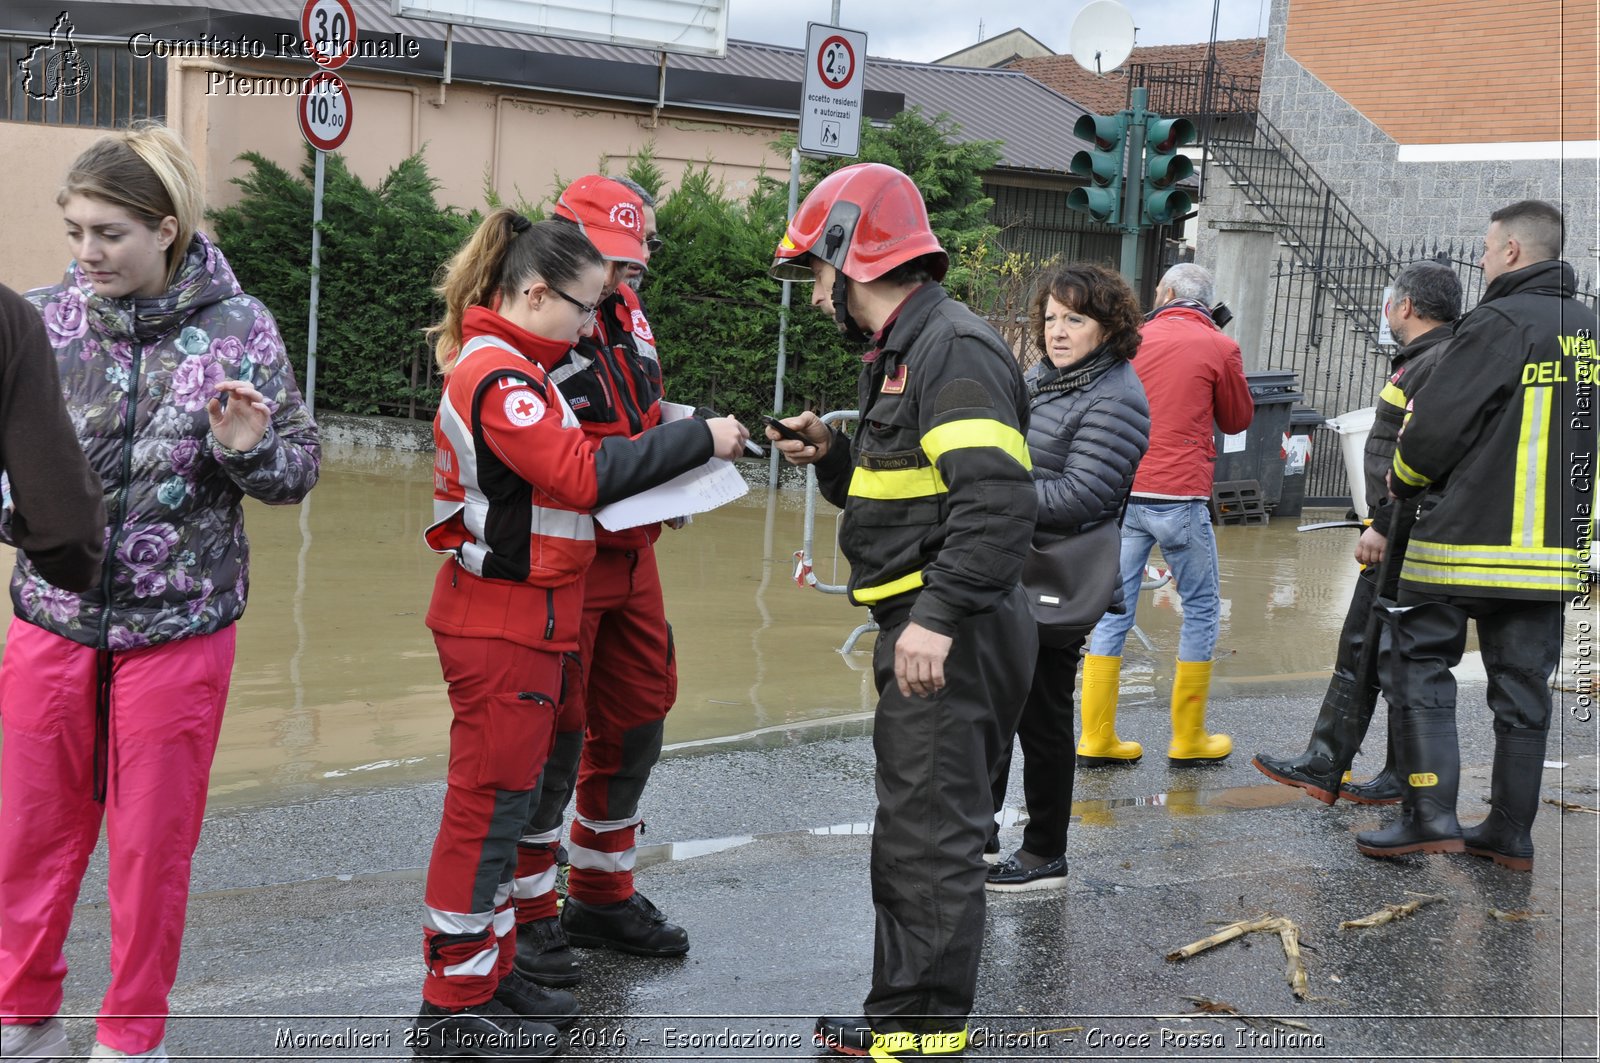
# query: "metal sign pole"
[[783, 314], [316, 271]]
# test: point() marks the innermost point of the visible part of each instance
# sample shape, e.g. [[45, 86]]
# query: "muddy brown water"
[[336, 681]]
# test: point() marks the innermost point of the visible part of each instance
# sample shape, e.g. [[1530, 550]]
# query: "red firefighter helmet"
[[864, 220]]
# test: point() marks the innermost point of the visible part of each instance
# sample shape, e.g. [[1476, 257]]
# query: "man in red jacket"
[[1193, 376]]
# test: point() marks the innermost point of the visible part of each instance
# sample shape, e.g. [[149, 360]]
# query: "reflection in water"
[[1099, 813], [337, 679]]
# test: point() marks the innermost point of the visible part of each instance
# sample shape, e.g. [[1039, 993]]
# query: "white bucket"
[[1354, 428]]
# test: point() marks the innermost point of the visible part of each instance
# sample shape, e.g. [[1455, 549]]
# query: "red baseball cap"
[[610, 215]]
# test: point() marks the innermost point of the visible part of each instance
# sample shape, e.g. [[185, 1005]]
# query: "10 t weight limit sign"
[[325, 111], [830, 109]]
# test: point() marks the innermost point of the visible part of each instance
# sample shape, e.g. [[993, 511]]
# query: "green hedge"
[[381, 247], [713, 308]]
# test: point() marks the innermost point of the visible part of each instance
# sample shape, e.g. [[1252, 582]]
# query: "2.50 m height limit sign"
[[325, 111], [830, 107]]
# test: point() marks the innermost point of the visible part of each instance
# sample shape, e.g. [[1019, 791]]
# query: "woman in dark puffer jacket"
[[1089, 427]]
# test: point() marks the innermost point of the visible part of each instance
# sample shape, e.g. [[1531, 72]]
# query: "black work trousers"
[[1521, 644], [1049, 751], [1353, 636], [935, 760]]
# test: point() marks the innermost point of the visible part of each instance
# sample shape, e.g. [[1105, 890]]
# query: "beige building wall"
[[472, 137]]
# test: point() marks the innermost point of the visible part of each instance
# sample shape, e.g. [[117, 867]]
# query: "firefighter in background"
[[1425, 299], [1503, 443], [625, 677], [938, 516]]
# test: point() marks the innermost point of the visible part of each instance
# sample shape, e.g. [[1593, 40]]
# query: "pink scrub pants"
[[166, 712]]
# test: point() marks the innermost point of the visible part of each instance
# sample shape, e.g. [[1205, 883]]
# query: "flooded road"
[[337, 682]]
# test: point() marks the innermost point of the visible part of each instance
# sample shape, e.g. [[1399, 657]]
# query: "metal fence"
[[1324, 327]]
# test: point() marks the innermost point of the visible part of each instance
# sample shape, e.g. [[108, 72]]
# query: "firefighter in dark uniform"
[[1508, 431], [1426, 298], [938, 516]]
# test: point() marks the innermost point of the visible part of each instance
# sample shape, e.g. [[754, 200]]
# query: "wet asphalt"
[[304, 943]]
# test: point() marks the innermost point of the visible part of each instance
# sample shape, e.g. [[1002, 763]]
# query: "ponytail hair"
[[502, 257], [146, 171]]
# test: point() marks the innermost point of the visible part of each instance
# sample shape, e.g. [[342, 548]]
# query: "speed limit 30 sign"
[[325, 111], [328, 28], [830, 105]]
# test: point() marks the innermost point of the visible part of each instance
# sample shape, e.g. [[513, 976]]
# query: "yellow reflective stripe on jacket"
[[1508, 578], [1533, 457], [1527, 556], [1393, 395], [1407, 474], [868, 595], [976, 432], [897, 483]]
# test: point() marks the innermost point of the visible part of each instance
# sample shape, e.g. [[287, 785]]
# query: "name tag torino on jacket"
[[905, 459]]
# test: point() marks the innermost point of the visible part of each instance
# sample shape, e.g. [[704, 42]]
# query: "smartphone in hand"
[[785, 431]]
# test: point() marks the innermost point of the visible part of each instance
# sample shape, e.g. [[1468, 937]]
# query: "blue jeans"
[[1183, 530]]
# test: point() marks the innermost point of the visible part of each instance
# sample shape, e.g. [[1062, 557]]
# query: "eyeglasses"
[[589, 310], [653, 244]]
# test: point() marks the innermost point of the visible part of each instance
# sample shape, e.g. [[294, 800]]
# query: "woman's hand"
[[727, 437], [239, 418]]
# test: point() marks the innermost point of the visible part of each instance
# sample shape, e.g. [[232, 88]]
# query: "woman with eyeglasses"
[[515, 479], [609, 736]]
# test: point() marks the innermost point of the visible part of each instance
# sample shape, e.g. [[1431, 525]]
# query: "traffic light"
[[1101, 199], [1160, 200]]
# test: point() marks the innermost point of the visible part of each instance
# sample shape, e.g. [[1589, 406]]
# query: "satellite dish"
[[1102, 36]]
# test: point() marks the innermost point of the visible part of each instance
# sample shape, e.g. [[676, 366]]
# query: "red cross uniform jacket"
[[515, 479], [612, 380]]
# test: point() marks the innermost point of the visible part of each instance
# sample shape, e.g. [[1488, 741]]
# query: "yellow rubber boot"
[[1100, 744], [1190, 743]]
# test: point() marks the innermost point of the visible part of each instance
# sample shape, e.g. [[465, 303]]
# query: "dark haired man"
[[1503, 443], [1426, 298], [938, 516]]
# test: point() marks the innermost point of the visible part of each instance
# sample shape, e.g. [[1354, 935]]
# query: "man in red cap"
[[938, 516], [618, 690]]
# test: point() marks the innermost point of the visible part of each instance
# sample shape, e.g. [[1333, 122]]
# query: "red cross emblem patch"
[[523, 407]]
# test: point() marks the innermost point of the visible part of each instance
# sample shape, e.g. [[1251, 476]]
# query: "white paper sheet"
[[716, 483]]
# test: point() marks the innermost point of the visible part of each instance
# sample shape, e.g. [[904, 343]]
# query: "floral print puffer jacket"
[[137, 375]]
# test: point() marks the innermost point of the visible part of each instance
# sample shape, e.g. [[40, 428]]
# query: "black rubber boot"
[[1335, 737], [1506, 837], [843, 1036], [1432, 760], [1388, 786], [1424, 642]]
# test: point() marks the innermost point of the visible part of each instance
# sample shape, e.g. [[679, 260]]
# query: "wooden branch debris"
[[1390, 912], [1288, 934], [1207, 1006], [1572, 807], [1226, 934], [1519, 915]]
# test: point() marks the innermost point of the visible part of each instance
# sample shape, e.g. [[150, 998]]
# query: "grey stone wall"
[[1407, 201]]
